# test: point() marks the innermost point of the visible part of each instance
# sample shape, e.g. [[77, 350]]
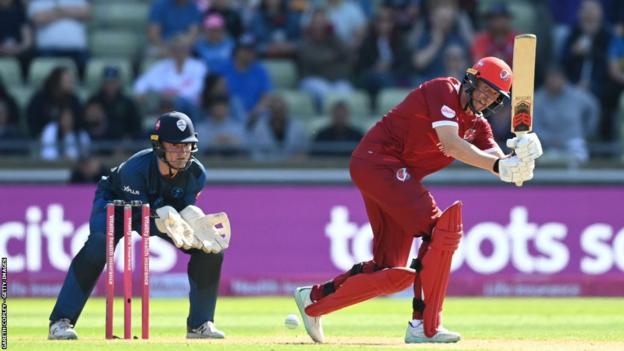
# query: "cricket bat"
[[523, 80]]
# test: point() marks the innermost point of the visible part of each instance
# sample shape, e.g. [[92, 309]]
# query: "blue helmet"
[[176, 128]]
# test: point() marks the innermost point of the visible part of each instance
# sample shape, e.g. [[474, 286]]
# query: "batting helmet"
[[495, 73]]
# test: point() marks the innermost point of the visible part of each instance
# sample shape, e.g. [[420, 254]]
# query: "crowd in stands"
[[277, 80]]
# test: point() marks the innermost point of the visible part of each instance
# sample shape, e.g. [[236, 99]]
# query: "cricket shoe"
[[62, 330], [415, 334], [205, 331], [312, 324]]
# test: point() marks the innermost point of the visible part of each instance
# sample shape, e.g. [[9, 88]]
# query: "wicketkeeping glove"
[[180, 232], [212, 230]]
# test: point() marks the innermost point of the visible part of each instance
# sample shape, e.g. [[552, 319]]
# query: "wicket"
[[127, 275]]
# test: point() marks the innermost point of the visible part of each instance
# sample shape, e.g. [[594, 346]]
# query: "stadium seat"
[[22, 95], [299, 104], [10, 71], [283, 73], [146, 63], [524, 16], [40, 67], [366, 124], [96, 65], [357, 101], [390, 97], [115, 43], [120, 15]]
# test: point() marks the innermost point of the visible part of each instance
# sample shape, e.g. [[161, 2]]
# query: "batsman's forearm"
[[467, 153]]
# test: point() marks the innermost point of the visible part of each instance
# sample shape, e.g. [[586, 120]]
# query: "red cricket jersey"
[[405, 136]]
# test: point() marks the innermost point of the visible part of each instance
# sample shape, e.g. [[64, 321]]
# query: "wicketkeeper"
[[169, 178], [440, 121]]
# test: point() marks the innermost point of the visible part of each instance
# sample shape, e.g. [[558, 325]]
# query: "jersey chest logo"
[[177, 192], [403, 175]]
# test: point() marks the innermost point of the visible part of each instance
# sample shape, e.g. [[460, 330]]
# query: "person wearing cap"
[[168, 178], [437, 123], [124, 119], [214, 46]]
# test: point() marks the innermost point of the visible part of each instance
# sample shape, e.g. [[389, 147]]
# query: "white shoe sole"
[[197, 336], [306, 319]]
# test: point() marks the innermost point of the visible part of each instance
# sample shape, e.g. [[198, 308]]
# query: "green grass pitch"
[[258, 324]]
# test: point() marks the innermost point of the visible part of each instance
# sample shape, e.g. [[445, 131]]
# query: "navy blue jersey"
[[139, 179]]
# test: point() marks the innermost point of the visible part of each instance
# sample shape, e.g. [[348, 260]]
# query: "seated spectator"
[[12, 141], [405, 13], [220, 133], [498, 37], [340, 137], [446, 26], [178, 76], [324, 61], [567, 115], [215, 85], [63, 139], [168, 18], [88, 170], [276, 136], [247, 78], [124, 119], [61, 29], [277, 28], [584, 59], [16, 37], [381, 59], [214, 46], [348, 21], [57, 92], [233, 20], [97, 123], [12, 112]]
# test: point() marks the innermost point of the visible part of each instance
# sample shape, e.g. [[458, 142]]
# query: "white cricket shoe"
[[205, 331], [312, 324], [415, 334], [62, 330]]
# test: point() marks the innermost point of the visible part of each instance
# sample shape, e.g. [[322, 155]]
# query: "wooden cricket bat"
[[523, 80]]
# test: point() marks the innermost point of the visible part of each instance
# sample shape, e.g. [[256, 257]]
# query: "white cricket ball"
[[291, 321]]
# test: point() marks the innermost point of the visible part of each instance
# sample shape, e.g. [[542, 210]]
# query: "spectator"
[[215, 46], [247, 78], [215, 85], [233, 20], [381, 59], [221, 134], [405, 13], [498, 37], [16, 38], [340, 137], [12, 112], [58, 92], [11, 139], [124, 119], [567, 115], [446, 27], [277, 28], [455, 62], [324, 61], [167, 19], [178, 77], [88, 170], [585, 59], [61, 29], [276, 136], [63, 139], [97, 123], [348, 21]]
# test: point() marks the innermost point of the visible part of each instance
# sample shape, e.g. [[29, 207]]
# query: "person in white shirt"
[[61, 139], [179, 77], [61, 28]]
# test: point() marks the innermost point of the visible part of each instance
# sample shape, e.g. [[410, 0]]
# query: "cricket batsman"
[[440, 121], [169, 178]]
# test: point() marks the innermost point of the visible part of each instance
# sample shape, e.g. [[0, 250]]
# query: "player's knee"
[[398, 279]]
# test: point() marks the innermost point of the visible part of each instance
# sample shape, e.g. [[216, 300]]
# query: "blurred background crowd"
[[276, 80]]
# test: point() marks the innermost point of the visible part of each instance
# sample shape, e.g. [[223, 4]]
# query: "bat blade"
[[523, 80]]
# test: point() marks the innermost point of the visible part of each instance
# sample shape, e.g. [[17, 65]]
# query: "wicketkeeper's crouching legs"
[[433, 267]]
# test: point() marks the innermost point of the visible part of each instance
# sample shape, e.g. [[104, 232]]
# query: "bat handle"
[[519, 183]]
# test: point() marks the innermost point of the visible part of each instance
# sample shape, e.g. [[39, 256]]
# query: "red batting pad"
[[361, 287]]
